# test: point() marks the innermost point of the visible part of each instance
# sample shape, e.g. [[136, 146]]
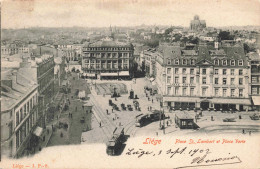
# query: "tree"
[[168, 31], [225, 35]]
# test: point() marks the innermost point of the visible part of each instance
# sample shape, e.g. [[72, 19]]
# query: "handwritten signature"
[[199, 157]]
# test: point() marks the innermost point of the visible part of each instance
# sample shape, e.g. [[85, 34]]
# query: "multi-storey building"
[[204, 77], [41, 70], [19, 113], [107, 59], [149, 57], [254, 59]]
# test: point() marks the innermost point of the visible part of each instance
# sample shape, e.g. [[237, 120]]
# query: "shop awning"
[[91, 74], [108, 74], [181, 99], [230, 101], [38, 131], [124, 73], [256, 100]]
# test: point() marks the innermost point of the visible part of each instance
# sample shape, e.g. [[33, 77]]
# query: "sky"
[[103, 13]]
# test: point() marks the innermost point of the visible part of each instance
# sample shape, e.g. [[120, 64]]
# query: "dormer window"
[[176, 61], [168, 61], [184, 62], [240, 63], [232, 62], [216, 62], [224, 62]]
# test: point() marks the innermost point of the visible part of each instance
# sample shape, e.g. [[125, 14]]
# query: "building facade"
[[19, 113], [254, 59], [107, 59], [204, 77]]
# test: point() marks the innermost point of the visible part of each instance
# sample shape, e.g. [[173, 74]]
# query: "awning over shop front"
[[124, 73], [90, 74], [38, 131], [256, 100], [181, 99], [230, 101], [108, 74]]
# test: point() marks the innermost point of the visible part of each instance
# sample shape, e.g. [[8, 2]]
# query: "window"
[[17, 118], [191, 80], [191, 71], [204, 71], [169, 90], [232, 92], [232, 81], [216, 71], [224, 81], [240, 81], [254, 90], [216, 91], [216, 62], [232, 62], [184, 62], [216, 80], [176, 90], [192, 61], [176, 70], [169, 70], [192, 91], [224, 71], [184, 80], [254, 79], [240, 71], [240, 63], [168, 61], [240, 92], [168, 79], [176, 61], [224, 92], [204, 90], [184, 91], [176, 79], [232, 71], [204, 80], [224, 62], [184, 70]]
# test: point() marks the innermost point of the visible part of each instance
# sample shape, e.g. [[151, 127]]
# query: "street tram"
[[116, 141], [149, 118]]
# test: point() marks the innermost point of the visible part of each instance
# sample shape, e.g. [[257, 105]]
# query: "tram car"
[[115, 143]]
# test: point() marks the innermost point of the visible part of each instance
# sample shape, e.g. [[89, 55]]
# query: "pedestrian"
[[167, 123], [107, 112], [99, 124], [243, 131], [112, 110], [156, 133], [249, 133], [152, 100], [212, 118], [76, 108]]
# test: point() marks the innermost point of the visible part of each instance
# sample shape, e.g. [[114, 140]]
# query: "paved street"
[[72, 135]]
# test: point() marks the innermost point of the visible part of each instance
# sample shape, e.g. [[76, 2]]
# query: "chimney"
[[25, 63]]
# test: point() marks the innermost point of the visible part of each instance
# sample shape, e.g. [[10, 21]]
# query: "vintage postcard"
[[130, 84]]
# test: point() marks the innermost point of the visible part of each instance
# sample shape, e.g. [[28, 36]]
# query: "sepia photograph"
[[130, 84]]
